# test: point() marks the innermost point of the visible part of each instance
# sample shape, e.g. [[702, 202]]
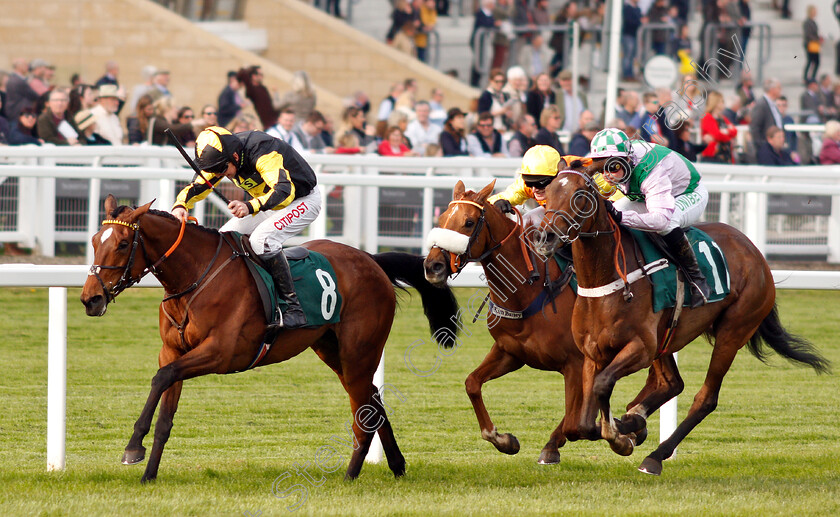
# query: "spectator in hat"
[[86, 124], [452, 140], [38, 71], [53, 126], [231, 102], [139, 90], [22, 130], [112, 71], [105, 114]]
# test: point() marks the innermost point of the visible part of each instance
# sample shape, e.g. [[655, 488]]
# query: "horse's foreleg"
[[569, 427], [589, 406], [199, 361], [495, 364], [663, 384], [168, 407], [632, 358]]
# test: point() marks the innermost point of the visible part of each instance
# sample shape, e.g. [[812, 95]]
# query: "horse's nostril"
[[437, 267]]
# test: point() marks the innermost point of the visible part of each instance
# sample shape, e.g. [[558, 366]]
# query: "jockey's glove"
[[615, 214], [504, 205]]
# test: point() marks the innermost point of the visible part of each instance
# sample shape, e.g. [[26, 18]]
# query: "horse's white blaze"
[[106, 234], [563, 181]]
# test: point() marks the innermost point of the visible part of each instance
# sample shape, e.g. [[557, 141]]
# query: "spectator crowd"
[[528, 98]]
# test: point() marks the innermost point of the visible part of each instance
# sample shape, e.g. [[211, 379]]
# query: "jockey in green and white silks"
[[663, 194]]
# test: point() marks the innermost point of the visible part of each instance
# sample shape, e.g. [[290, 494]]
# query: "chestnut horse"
[[620, 335], [222, 326], [476, 231]]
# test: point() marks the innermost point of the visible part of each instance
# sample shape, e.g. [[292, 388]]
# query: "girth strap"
[[197, 288]]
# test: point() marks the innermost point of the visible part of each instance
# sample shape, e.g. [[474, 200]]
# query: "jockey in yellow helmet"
[[539, 166]]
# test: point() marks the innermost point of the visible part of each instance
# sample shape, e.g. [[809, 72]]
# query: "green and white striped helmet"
[[609, 142]]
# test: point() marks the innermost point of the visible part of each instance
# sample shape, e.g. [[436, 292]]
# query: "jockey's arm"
[[196, 191], [281, 189], [659, 202], [516, 193]]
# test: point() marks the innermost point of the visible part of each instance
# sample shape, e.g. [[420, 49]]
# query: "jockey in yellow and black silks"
[[539, 166], [285, 199]]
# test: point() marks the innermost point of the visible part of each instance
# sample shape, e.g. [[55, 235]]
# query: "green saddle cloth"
[[316, 287], [709, 257]]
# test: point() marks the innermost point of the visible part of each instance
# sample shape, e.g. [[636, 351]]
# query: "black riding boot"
[[278, 266], [680, 248]]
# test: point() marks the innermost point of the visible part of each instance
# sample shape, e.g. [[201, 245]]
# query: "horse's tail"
[[439, 303], [793, 348]]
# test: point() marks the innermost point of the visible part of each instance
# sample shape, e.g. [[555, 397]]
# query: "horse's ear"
[[576, 164], [485, 192], [140, 211], [458, 191], [110, 205]]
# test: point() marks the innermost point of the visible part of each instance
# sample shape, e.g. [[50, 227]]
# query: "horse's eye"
[[469, 223], [614, 166], [123, 245]]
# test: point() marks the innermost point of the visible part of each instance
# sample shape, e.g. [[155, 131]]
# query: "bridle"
[[619, 257], [126, 280], [573, 224], [457, 262]]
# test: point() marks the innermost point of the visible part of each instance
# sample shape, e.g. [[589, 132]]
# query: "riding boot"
[[680, 248], [293, 317]]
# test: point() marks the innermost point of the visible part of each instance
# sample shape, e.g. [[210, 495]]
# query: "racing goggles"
[[538, 184]]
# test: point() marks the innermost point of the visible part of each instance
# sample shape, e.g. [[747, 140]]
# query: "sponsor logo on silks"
[[291, 215]]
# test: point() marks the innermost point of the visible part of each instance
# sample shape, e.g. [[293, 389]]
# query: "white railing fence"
[[59, 278], [53, 195]]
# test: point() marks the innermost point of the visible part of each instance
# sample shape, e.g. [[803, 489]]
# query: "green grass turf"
[[769, 449]]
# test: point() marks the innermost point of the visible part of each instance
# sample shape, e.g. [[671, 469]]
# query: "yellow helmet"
[[540, 160]]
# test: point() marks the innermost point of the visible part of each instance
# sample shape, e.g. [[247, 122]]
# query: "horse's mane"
[[161, 213]]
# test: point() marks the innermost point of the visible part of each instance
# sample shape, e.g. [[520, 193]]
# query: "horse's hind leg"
[[663, 384], [495, 364], [396, 461], [729, 339]]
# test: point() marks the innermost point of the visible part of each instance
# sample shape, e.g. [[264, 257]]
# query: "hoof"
[[549, 457], [133, 456], [630, 423], [147, 479], [507, 443], [623, 445], [641, 436], [651, 466], [349, 478]]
